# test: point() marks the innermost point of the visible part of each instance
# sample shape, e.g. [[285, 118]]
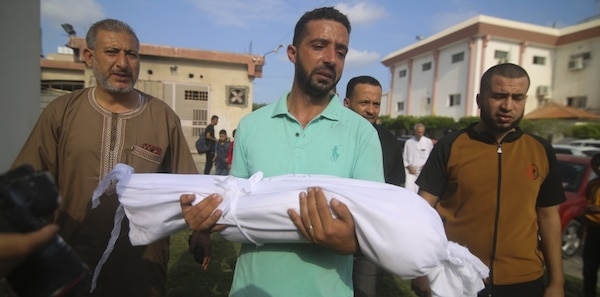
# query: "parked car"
[[403, 138], [585, 142], [575, 173], [576, 150]]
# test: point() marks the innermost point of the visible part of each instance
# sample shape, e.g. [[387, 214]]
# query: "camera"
[[27, 198]]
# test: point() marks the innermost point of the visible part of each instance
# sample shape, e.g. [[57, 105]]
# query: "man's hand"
[[420, 286], [411, 170], [203, 216], [14, 247], [318, 225]]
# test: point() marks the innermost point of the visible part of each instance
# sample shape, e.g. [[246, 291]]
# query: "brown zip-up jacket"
[[488, 193]]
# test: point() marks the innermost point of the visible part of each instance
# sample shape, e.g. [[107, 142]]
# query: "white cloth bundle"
[[395, 228]]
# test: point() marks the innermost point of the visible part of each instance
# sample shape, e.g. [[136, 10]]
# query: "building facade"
[[439, 75], [196, 84]]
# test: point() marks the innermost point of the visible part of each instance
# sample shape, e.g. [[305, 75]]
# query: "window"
[[428, 100], [501, 56], [454, 100], [402, 73], [577, 101], [400, 106], [537, 60], [195, 95], [426, 66], [199, 118], [458, 57]]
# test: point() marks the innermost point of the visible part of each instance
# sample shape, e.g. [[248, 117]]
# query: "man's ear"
[[346, 102], [291, 53], [87, 56], [478, 100]]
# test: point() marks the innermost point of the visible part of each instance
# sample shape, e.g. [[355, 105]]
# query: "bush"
[[586, 131]]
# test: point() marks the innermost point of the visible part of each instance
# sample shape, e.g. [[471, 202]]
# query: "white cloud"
[[357, 58], [362, 13], [239, 13], [79, 13]]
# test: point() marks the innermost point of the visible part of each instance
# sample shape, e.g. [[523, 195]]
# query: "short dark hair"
[[223, 131], [214, 117], [107, 25], [508, 70], [323, 13], [363, 79]]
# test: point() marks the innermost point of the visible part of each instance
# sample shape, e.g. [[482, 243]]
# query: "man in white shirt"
[[416, 151]]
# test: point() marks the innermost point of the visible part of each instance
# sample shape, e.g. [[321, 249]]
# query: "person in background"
[[308, 131], [81, 136], [363, 96], [497, 190], [211, 140], [591, 245], [416, 151], [230, 151], [221, 149]]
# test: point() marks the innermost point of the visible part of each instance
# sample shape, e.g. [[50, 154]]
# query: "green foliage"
[[465, 122], [586, 131], [256, 106], [437, 126]]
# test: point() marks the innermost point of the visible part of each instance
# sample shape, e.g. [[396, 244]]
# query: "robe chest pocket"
[[144, 160]]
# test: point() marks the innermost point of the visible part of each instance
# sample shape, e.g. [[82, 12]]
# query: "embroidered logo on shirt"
[[335, 154], [152, 148], [532, 171]]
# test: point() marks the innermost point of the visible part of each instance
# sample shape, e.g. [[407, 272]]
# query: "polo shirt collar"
[[331, 112]]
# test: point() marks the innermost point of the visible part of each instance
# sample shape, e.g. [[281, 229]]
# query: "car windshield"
[[571, 175]]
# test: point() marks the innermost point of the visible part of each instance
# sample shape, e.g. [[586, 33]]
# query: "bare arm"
[[430, 198], [549, 224], [14, 247]]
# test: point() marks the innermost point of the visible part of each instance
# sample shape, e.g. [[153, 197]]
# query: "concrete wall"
[[20, 84]]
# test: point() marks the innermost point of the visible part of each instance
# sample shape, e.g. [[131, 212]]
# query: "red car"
[[575, 172]]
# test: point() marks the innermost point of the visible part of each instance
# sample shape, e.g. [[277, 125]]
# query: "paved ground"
[[572, 266]]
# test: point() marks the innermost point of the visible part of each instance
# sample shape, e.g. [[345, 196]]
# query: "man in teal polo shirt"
[[308, 131]]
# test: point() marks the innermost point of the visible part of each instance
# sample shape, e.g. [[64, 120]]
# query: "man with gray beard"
[[79, 138]]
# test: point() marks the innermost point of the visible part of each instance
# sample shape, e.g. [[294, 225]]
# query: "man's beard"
[[105, 84], [316, 90], [495, 127]]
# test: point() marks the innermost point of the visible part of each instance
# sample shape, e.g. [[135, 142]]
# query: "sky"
[[379, 27]]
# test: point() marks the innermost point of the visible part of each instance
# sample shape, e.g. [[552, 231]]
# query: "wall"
[[19, 87]]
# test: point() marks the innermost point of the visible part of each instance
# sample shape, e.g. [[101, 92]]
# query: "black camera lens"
[[26, 198], [55, 270]]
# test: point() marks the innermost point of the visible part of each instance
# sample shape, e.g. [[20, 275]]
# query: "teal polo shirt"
[[337, 142]]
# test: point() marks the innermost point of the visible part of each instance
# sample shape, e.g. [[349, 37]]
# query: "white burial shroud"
[[395, 228]]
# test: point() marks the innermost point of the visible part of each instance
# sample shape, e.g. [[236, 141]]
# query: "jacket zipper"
[[496, 219]]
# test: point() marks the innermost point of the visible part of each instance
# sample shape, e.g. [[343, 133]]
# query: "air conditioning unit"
[[543, 91], [576, 63]]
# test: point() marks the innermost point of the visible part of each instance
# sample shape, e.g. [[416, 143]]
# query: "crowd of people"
[[495, 187]]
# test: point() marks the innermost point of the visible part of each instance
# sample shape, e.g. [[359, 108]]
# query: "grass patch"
[[186, 277]]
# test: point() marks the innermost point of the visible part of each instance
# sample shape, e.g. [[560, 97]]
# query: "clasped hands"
[[314, 221]]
